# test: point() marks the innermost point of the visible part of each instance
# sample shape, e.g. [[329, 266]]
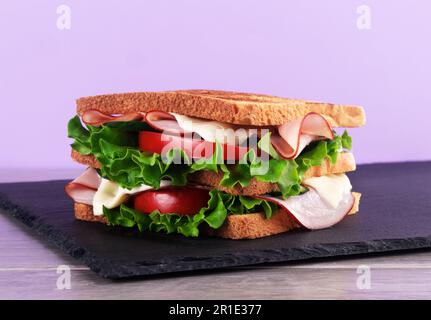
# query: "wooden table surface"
[[28, 270]]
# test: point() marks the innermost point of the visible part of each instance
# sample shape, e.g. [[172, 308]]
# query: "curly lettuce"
[[214, 214], [115, 146], [117, 150], [287, 174]]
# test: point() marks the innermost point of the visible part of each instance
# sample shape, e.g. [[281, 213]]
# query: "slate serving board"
[[395, 214]]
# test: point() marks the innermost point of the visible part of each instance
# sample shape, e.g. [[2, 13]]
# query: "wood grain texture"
[[28, 267], [28, 270]]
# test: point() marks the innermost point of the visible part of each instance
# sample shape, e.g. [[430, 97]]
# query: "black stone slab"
[[395, 214]]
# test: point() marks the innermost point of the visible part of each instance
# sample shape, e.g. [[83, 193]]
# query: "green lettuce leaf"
[[214, 214], [318, 151], [116, 149], [211, 163], [82, 137], [287, 174], [346, 140]]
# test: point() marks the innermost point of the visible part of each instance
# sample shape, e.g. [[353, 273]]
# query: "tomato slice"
[[180, 200], [156, 142]]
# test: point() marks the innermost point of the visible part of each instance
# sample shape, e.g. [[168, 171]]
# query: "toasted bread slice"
[[345, 163], [88, 160], [236, 226], [224, 106], [85, 212]]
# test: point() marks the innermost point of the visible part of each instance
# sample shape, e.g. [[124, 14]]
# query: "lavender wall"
[[302, 49]]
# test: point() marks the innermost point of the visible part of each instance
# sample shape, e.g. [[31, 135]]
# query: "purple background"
[[301, 49]]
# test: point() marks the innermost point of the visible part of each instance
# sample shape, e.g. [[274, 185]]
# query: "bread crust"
[[224, 106], [345, 163], [236, 226], [253, 226], [85, 212], [88, 160]]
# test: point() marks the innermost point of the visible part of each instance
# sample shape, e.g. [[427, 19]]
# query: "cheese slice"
[[214, 131], [111, 194], [330, 188]]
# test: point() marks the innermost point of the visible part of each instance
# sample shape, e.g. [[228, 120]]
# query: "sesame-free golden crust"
[[88, 160], [236, 226], [345, 163], [85, 212], [224, 106], [253, 225]]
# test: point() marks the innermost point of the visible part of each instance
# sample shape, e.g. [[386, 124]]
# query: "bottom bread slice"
[[236, 226]]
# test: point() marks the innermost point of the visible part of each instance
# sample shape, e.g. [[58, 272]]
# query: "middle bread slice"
[[345, 163]]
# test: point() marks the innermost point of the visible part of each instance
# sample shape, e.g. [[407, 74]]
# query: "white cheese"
[[111, 195], [330, 188], [213, 131]]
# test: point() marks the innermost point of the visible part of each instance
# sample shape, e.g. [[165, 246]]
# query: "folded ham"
[[294, 136], [311, 211], [97, 118], [83, 188], [288, 139]]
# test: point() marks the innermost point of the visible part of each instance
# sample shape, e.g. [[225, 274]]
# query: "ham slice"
[[80, 193], [311, 211], [163, 121], [97, 118], [288, 139], [291, 138], [83, 188], [89, 178], [158, 120]]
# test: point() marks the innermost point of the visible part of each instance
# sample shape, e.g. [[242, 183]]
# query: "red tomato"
[[155, 142], [182, 201]]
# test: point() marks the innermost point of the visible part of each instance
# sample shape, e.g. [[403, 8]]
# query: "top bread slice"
[[224, 106]]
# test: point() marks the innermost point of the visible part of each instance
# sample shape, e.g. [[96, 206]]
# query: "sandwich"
[[213, 163]]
